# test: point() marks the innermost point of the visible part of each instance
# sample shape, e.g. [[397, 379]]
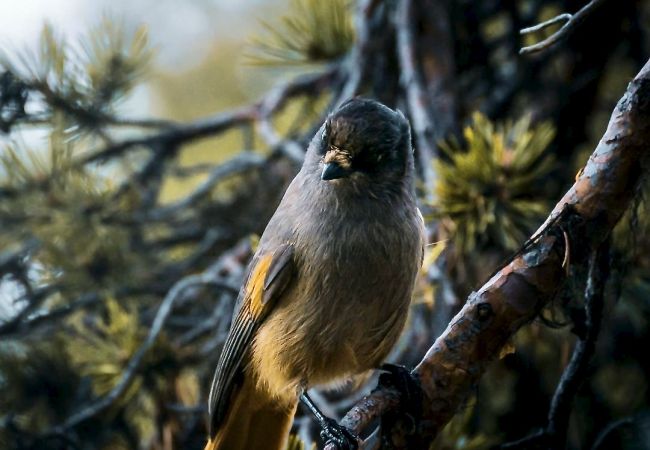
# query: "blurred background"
[[144, 145]]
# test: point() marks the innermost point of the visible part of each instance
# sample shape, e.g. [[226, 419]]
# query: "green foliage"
[[78, 247], [36, 384], [84, 82], [488, 192], [73, 213], [312, 32], [101, 347]]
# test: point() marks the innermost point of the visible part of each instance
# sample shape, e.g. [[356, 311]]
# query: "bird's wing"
[[268, 275]]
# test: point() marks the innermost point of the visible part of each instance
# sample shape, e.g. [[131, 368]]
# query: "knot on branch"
[[484, 311]]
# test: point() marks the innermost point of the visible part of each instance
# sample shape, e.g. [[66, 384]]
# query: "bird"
[[327, 292]]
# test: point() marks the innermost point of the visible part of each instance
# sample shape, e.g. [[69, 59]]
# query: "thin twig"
[[243, 162], [555, 433], [134, 363], [540, 26], [28, 323], [178, 134], [356, 63], [175, 135], [572, 22]]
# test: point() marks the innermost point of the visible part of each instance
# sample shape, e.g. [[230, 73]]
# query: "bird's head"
[[363, 139]]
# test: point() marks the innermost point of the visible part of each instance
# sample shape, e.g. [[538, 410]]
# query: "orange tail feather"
[[253, 422]]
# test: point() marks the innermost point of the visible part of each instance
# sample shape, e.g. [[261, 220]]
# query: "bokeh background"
[[90, 251]]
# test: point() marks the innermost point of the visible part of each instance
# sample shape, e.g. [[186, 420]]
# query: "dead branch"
[[572, 21], [517, 292]]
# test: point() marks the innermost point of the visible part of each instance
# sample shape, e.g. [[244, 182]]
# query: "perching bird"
[[327, 293]]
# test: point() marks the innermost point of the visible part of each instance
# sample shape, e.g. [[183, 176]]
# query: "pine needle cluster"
[[312, 32], [86, 80], [486, 187]]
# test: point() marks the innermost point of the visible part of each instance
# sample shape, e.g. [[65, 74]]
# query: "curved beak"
[[332, 171]]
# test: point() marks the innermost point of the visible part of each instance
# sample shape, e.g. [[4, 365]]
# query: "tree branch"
[[416, 95], [517, 292], [134, 363], [573, 21], [555, 433]]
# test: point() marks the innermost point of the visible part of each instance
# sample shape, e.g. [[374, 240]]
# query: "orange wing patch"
[[269, 278], [269, 275], [254, 290]]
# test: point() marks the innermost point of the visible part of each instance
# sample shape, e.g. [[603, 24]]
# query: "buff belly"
[[303, 346]]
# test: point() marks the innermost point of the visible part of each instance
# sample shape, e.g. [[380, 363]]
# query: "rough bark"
[[513, 297]]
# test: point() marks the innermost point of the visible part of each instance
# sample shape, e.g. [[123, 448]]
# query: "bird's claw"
[[338, 435]]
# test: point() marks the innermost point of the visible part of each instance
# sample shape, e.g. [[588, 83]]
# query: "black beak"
[[332, 171]]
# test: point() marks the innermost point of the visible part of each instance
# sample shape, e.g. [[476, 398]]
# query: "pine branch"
[[517, 292], [164, 311], [554, 435]]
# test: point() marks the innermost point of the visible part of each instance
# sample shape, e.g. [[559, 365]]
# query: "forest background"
[[145, 144]]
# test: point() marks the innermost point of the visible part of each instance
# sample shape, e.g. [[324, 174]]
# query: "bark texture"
[[579, 223]]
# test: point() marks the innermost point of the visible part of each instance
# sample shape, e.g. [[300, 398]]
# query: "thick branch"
[[516, 293], [554, 435]]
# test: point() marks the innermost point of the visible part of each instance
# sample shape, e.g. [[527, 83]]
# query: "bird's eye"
[[323, 135]]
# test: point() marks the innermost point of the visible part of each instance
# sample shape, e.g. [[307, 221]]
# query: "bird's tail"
[[253, 422]]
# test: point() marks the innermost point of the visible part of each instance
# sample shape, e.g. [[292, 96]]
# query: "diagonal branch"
[[516, 293], [554, 435], [164, 141], [572, 21], [134, 363]]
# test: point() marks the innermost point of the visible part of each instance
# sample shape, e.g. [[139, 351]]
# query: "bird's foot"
[[332, 432], [408, 385], [336, 434]]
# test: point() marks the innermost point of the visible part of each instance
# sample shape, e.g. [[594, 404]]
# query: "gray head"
[[363, 141]]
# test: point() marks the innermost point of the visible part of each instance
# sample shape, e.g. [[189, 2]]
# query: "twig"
[[134, 363], [555, 432], [575, 372], [35, 300], [540, 26], [27, 323], [12, 260], [356, 63], [290, 148], [241, 163], [175, 135], [277, 98], [37, 119], [178, 134], [572, 22]]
